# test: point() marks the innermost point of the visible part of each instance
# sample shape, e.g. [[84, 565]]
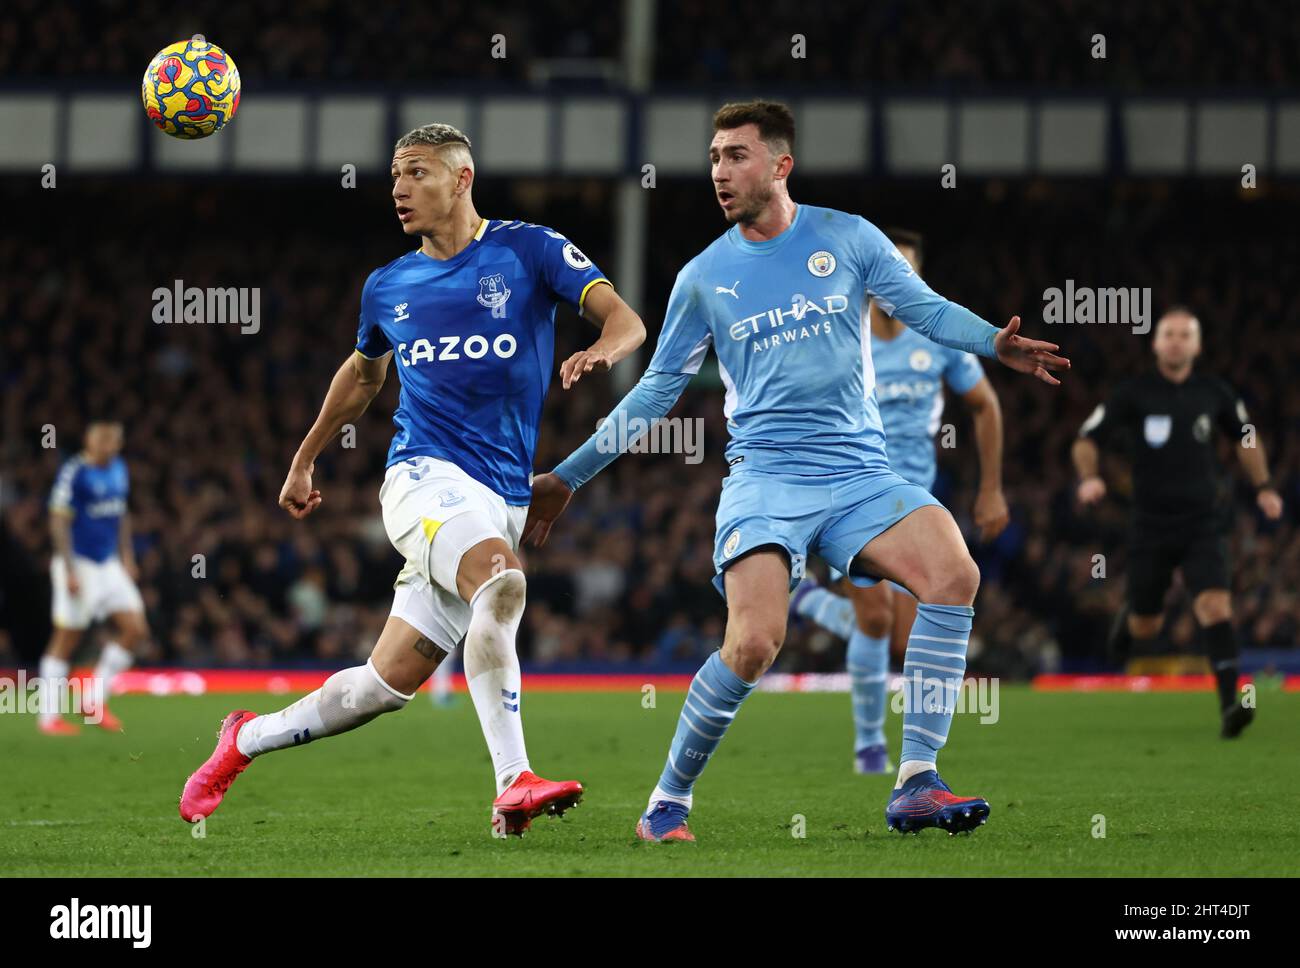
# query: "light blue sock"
[[832, 612], [933, 670], [711, 703], [868, 663]]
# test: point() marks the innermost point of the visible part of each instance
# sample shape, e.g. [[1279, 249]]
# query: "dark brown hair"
[[774, 120], [907, 237]]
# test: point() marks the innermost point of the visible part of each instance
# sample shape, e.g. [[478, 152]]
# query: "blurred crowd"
[[212, 416], [928, 43], [941, 43], [315, 40]]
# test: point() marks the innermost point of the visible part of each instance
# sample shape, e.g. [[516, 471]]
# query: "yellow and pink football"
[[191, 89]]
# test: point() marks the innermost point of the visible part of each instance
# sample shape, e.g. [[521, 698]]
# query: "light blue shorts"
[[832, 515], [924, 478]]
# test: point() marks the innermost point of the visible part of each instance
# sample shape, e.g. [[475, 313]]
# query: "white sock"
[[51, 668], [492, 670], [348, 699], [909, 769], [658, 795], [112, 660]]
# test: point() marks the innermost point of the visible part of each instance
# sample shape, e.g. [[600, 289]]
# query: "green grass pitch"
[[409, 794]]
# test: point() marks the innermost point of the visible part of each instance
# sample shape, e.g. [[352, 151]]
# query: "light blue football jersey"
[[95, 497], [910, 373], [787, 319], [474, 342]]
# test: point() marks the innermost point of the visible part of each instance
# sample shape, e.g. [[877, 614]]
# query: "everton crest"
[[492, 291]]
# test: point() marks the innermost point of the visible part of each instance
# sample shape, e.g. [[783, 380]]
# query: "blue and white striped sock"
[[832, 612], [933, 670], [868, 664], [711, 704]]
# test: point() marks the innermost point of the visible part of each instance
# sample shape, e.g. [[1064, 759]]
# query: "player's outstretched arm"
[[357, 382], [621, 332], [683, 341], [650, 400], [904, 295]]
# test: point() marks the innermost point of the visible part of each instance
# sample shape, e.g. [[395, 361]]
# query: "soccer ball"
[[191, 89]]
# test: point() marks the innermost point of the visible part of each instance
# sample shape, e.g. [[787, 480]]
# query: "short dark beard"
[[749, 215]]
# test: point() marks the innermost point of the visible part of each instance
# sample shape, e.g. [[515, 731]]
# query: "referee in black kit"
[[1182, 502]]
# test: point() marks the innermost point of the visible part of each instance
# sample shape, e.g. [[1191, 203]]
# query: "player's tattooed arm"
[[621, 332], [426, 648]]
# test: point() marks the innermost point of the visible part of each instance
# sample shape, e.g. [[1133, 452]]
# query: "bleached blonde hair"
[[453, 145]]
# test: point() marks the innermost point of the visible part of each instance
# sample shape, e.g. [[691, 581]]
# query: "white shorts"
[[106, 588], [434, 512]]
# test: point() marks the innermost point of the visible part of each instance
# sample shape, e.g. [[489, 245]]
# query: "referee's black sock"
[[1221, 648]]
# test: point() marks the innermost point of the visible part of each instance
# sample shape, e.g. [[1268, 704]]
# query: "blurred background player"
[[440, 693], [779, 297], [92, 574], [910, 375], [470, 316], [1182, 506]]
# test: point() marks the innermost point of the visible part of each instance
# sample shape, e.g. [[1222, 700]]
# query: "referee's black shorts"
[[1196, 543]]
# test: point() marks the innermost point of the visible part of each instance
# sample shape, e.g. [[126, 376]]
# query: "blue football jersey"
[[787, 319], [910, 373], [95, 498], [474, 341]]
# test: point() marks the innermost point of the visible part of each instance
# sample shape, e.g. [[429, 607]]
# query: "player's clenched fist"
[[1091, 490], [550, 497], [297, 496]]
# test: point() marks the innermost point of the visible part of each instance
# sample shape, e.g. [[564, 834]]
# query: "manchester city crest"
[[821, 263], [492, 291], [731, 544]]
